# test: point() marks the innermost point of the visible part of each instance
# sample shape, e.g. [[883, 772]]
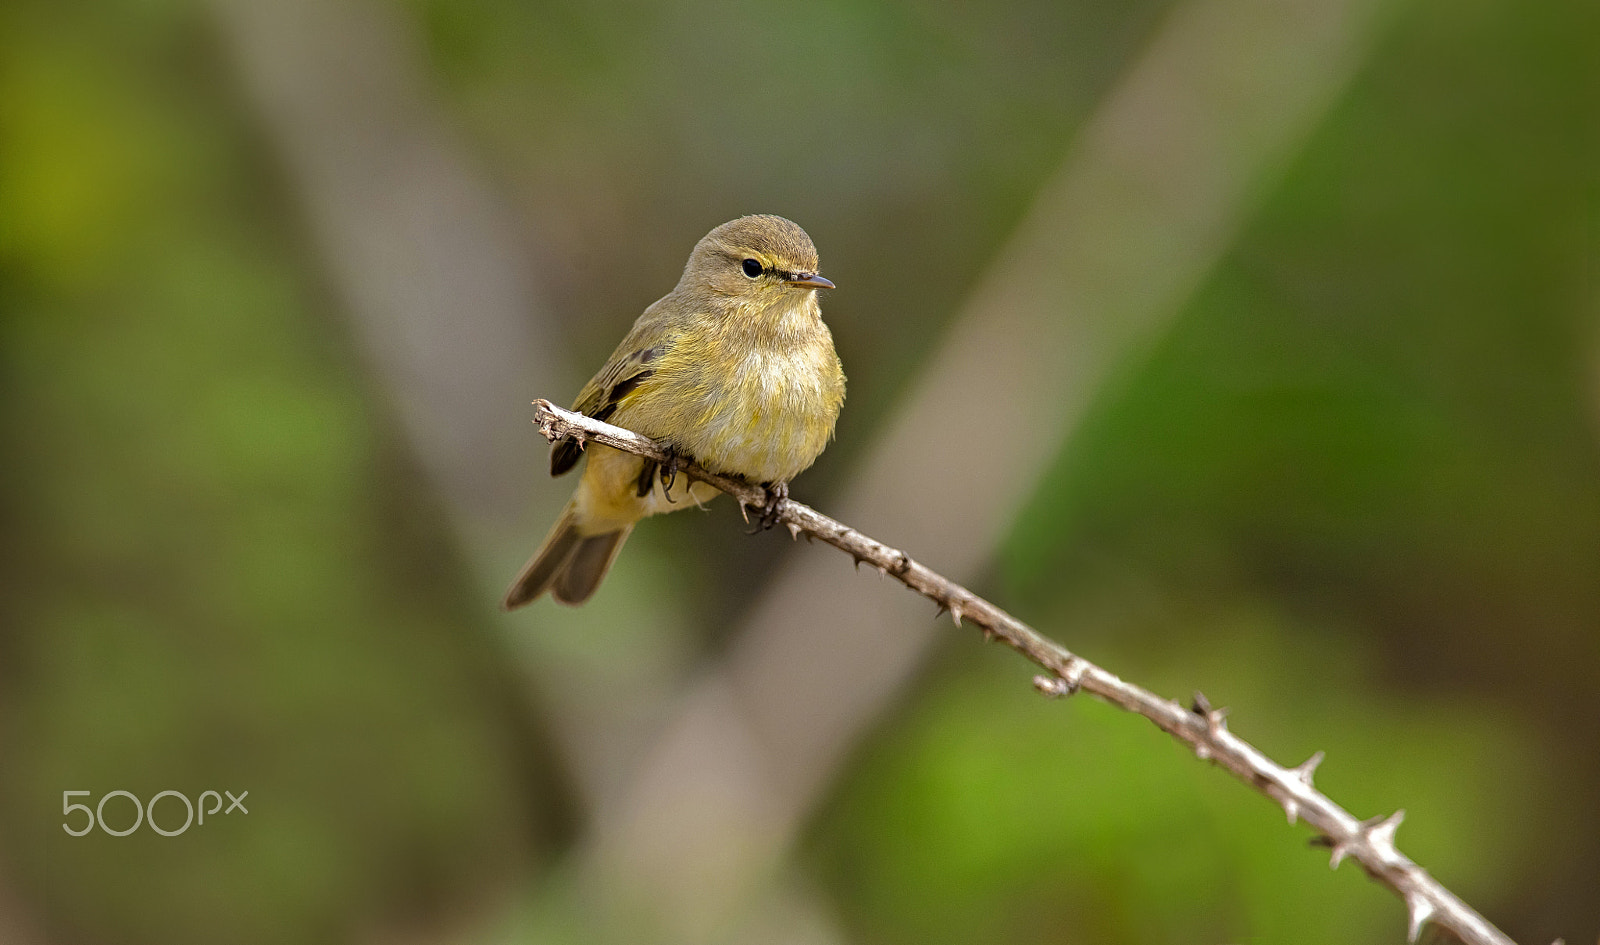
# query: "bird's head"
[[762, 261]]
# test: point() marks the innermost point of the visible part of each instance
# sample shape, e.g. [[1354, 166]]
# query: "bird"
[[733, 369]]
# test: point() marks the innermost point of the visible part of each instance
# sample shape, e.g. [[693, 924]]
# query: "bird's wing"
[[622, 375]]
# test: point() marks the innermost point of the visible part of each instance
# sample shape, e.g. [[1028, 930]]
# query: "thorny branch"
[[1203, 728]]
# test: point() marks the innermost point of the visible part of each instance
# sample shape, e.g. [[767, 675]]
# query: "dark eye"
[[752, 268]]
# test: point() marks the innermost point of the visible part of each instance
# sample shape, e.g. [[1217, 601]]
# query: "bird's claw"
[[777, 494], [675, 462], [667, 468]]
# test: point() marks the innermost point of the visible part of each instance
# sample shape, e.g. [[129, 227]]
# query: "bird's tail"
[[569, 565]]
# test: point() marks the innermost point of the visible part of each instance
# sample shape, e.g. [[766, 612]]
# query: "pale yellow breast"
[[776, 415], [764, 412]]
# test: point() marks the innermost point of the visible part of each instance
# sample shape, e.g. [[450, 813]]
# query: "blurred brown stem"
[[1203, 728]]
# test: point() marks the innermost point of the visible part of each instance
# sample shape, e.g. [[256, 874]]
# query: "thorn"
[[794, 531], [1291, 809], [1202, 705], [955, 613], [1203, 752], [988, 634], [1419, 911], [1217, 720], [1380, 834], [1307, 768], [744, 511], [857, 559], [1339, 852], [883, 572], [940, 611]]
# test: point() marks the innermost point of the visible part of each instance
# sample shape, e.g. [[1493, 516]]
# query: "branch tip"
[[1370, 843]]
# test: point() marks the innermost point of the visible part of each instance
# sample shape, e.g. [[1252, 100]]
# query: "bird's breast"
[[761, 411]]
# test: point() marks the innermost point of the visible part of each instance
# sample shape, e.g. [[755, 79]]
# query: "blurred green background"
[[1350, 486]]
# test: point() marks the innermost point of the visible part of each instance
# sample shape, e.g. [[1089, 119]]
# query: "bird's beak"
[[808, 280]]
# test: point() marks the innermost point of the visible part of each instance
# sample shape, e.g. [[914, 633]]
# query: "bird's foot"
[[670, 467], [777, 494], [667, 468]]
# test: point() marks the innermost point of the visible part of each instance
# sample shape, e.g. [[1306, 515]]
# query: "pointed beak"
[[807, 280]]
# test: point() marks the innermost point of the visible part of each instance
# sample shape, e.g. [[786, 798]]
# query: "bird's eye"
[[752, 268]]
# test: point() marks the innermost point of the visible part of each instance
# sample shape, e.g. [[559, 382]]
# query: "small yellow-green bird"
[[733, 368]]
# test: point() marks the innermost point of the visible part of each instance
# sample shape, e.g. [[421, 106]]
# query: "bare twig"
[[1146, 200], [1203, 728]]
